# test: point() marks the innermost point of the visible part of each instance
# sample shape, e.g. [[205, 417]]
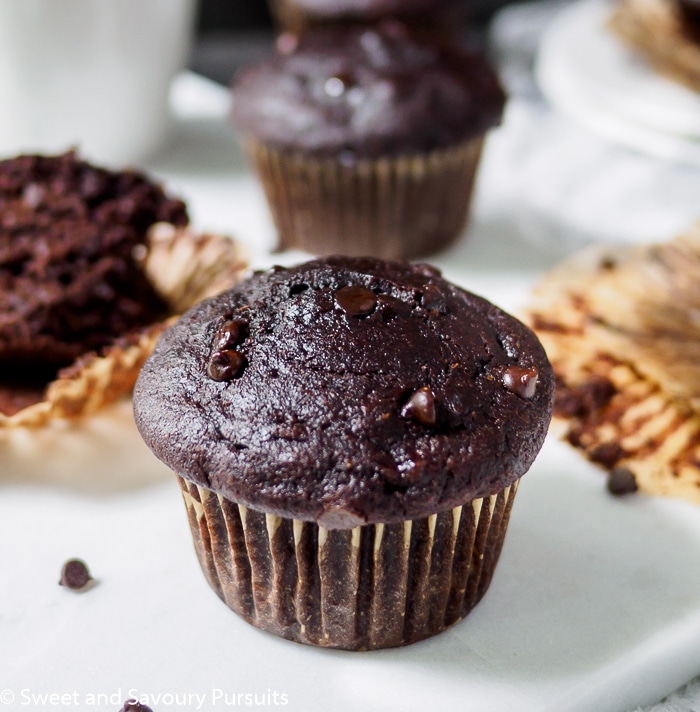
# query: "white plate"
[[590, 75], [594, 605]]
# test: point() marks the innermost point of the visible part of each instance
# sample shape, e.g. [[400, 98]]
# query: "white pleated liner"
[[374, 586]]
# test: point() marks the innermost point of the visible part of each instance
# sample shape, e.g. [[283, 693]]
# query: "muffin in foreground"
[[349, 435], [92, 263], [437, 16], [367, 140], [621, 329]]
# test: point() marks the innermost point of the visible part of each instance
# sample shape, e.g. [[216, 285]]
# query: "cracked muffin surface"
[[347, 391], [71, 280]]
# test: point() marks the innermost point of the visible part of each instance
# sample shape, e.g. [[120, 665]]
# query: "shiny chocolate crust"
[[370, 392], [71, 279], [364, 93]]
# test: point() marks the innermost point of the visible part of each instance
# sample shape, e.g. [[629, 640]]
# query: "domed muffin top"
[[346, 391], [364, 92]]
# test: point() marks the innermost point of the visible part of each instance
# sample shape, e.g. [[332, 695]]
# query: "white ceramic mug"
[[91, 74]]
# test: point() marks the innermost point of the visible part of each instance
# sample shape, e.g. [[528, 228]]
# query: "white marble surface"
[[594, 605]]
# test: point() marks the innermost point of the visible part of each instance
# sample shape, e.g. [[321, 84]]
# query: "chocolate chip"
[[226, 364], [231, 333], [421, 407], [521, 381], [75, 575], [135, 706], [622, 481], [433, 299], [356, 300]]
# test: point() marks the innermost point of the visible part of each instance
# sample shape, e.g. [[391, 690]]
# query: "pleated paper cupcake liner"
[[373, 586], [185, 267], [620, 327], [395, 208]]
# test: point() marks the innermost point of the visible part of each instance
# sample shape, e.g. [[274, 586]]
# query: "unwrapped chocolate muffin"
[[349, 435], [87, 259], [367, 140]]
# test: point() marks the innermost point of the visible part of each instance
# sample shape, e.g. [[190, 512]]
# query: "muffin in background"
[[92, 264], [348, 435], [439, 17], [367, 140]]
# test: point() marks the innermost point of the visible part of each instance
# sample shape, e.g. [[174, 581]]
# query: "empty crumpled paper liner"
[[621, 327]]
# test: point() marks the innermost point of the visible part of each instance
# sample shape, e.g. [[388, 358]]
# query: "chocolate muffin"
[[74, 252], [348, 435], [445, 16], [367, 140]]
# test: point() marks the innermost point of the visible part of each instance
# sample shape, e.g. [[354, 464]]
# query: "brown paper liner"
[[185, 267], [655, 29], [395, 208], [374, 586], [620, 329]]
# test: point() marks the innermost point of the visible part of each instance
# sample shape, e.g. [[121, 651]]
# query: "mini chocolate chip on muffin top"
[[347, 391], [71, 279], [365, 92]]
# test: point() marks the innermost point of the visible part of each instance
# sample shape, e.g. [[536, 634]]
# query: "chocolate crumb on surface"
[[135, 706], [583, 400], [607, 454], [622, 480], [75, 575]]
